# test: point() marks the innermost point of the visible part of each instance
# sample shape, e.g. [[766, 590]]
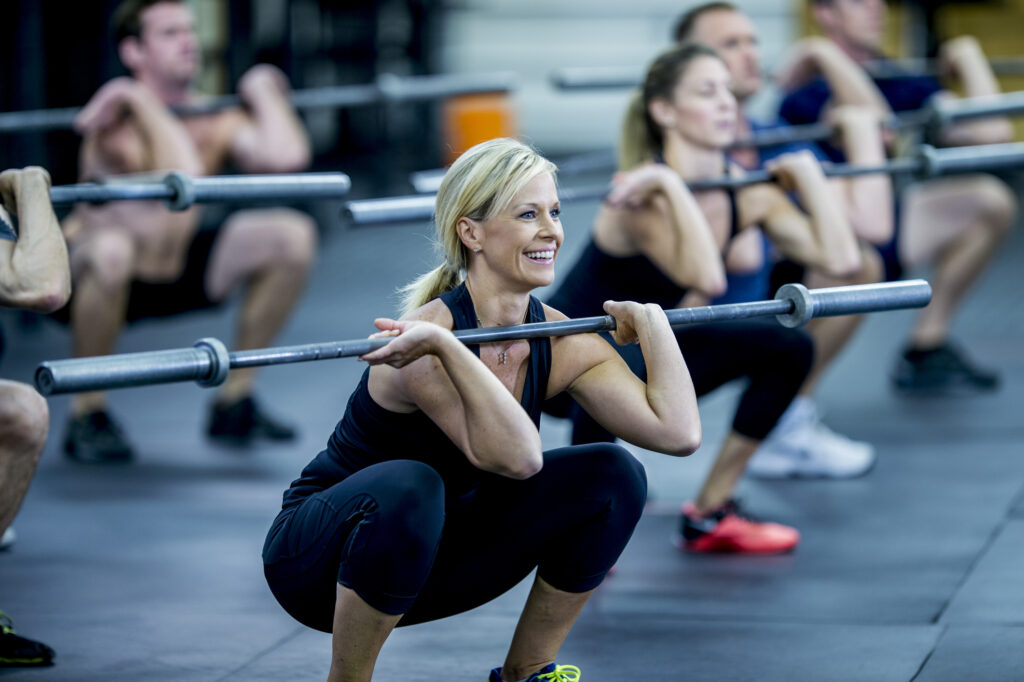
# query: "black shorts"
[[164, 299]]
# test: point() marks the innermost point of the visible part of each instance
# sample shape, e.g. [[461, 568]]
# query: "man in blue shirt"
[[801, 444], [954, 225]]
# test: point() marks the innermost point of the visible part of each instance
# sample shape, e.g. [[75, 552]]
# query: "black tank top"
[[368, 434], [596, 277]]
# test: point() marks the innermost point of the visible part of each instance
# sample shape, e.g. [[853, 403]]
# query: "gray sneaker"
[[801, 446]]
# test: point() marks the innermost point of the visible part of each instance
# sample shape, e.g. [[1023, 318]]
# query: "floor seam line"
[[284, 640]]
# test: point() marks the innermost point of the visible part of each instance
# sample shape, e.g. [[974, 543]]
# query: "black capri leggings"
[[775, 359], [384, 533]]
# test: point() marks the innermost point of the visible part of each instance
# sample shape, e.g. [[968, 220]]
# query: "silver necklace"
[[502, 353]]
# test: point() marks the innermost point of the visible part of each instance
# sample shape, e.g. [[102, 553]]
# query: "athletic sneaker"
[[96, 438], [243, 421], [731, 530], [940, 370], [8, 538], [802, 446], [549, 673], [19, 652]]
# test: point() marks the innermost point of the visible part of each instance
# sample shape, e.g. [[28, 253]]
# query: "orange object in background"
[[470, 119]]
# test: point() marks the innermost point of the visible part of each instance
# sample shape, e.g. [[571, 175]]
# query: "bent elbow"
[[293, 161], [54, 299], [715, 285], [684, 441], [45, 299], [845, 267], [525, 467]]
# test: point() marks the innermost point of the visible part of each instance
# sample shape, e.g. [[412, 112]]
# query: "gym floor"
[[152, 571]]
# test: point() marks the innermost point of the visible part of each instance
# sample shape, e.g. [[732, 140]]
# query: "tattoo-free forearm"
[[502, 438], [35, 273]]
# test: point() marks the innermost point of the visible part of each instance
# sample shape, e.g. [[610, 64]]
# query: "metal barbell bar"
[[927, 162], [208, 361], [621, 77], [386, 89], [939, 113], [180, 191]]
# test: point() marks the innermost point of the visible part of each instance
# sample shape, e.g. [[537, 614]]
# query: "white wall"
[[535, 37]]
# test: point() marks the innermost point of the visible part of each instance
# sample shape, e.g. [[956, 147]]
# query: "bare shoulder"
[[402, 390], [435, 311]]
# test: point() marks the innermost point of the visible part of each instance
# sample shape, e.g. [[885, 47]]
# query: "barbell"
[[388, 88], [939, 113], [180, 191], [925, 162], [622, 77], [208, 361]]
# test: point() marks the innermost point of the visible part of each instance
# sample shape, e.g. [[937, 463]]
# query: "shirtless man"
[[135, 259], [954, 225], [34, 275]]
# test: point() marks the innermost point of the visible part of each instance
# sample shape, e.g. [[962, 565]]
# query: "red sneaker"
[[729, 530]]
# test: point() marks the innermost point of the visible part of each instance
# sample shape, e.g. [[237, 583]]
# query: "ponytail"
[[637, 145], [428, 286]]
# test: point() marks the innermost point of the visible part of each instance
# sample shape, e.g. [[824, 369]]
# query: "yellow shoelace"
[[6, 626], [562, 673]]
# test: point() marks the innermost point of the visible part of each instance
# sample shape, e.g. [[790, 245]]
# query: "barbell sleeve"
[[206, 363], [209, 362]]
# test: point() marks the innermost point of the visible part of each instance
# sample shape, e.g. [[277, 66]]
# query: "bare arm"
[[868, 198], [660, 415], [822, 238], [847, 81], [965, 61], [274, 141], [34, 271], [653, 210], [166, 144], [425, 367]]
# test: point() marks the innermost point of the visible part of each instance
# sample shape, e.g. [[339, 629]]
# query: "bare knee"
[[108, 258], [295, 237], [24, 418], [998, 204], [872, 269]]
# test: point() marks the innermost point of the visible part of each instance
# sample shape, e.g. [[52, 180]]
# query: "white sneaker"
[[801, 446], [8, 538]]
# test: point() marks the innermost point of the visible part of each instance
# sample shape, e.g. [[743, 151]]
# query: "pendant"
[[502, 357]]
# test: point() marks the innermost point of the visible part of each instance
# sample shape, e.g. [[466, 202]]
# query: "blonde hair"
[[642, 138], [480, 184]]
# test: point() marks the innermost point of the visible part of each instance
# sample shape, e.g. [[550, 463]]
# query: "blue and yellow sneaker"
[[549, 673], [20, 652]]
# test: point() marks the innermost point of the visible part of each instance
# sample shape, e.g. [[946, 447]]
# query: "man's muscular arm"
[[963, 59], [274, 139], [165, 143]]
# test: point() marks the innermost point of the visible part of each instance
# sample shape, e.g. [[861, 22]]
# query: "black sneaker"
[[940, 370], [19, 652], [244, 421], [95, 437]]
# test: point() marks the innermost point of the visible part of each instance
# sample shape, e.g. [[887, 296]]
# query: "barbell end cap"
[[44, 380], [220, 361], [931, 164], [803, 305], [184, 191]]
